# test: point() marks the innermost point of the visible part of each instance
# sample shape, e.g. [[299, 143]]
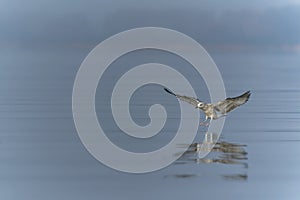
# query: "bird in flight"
[[217, 110]]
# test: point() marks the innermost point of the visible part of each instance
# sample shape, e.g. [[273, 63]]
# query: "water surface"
[[256, 157]]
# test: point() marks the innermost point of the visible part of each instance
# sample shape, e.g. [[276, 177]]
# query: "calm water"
[[257, 156]]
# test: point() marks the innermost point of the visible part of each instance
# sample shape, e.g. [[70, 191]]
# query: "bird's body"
[[214, 111], [209, 111]]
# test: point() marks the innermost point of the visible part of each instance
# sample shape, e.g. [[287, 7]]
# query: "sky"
[[221, 25]]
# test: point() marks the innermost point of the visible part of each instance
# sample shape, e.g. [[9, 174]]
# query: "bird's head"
[[200, 104]]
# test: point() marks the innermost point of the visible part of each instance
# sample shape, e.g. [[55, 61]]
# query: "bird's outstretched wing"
[[190, 100], [229, 104]]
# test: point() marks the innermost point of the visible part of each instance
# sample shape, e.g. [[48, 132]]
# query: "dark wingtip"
[[247, 94], [169, 91]]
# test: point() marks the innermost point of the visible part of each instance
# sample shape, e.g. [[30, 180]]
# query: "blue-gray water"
[[41, 156]]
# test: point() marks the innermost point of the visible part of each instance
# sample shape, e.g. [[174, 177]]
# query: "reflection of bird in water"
[[229, 154], [214, 111], [226, 153]]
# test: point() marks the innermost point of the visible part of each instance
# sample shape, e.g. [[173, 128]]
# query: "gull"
[[214, 111]]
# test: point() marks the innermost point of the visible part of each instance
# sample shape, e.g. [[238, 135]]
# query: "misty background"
[[218, 25]]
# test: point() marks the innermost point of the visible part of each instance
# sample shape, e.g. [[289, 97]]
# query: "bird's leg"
[[204, 123]]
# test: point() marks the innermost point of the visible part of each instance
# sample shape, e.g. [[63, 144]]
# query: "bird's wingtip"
[[248, 94], [169, 91]]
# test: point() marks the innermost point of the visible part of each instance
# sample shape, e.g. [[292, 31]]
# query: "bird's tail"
[[169, 91]]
